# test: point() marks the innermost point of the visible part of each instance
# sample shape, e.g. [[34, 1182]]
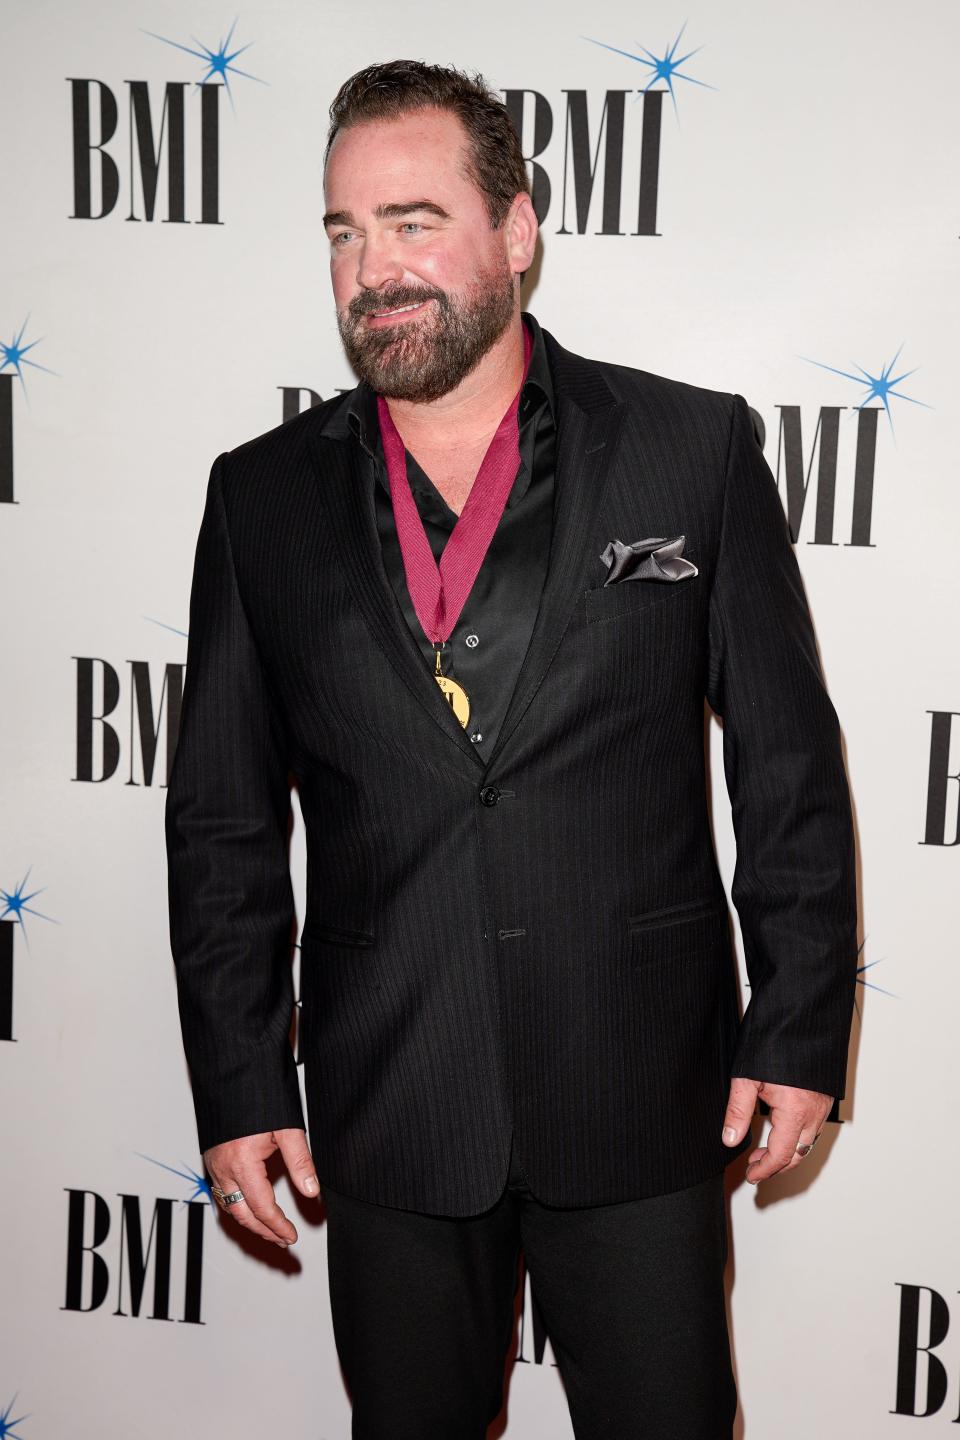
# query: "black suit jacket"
[[538, 941]]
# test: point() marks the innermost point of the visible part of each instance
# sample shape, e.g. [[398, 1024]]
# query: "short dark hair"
[[399, 87]]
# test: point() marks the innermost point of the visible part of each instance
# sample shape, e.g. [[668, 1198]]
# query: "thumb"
[[292, 1145], [740, 1108]]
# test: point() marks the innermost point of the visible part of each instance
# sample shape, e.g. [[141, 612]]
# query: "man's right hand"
[[241, 1165]]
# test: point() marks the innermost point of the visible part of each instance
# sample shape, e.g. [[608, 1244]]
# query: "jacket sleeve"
[[794, 882], [230, 896]]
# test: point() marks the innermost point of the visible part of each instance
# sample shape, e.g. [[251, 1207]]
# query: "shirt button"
[[489, 795]]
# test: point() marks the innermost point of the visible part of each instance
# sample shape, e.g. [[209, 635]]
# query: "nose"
[[377, 265]]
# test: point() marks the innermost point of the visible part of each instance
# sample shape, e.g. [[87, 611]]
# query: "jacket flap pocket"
[[314, 932]]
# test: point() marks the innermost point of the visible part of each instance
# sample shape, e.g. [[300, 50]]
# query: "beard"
[[424, 358]]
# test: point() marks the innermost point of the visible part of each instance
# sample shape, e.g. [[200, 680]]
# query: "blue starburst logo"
[[665, 68], [219, 62], [7, 1431], [17, 903], [164, 626], [14, 356], [868, 984], [878, 387], [201, 1186]]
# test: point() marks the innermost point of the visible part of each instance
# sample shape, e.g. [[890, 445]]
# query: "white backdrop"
[[808, 218]]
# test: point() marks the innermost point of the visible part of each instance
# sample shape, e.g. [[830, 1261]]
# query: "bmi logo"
[[923, 1380], [9, 1422], [534, 1346], [943, 784], [15, 357], [111, 1252], [14, 906], [152, 720], [795, 466], [597, 137], [164, 130], [292, 401]]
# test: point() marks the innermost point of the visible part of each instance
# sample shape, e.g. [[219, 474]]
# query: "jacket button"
[[489, 795]]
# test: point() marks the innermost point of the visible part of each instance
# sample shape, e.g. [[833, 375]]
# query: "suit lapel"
[[589, 421], [588, 426], [352, 519]]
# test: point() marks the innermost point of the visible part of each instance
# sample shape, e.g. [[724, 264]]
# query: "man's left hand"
[[796, 1118]]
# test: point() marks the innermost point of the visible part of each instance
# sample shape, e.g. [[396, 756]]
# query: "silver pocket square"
[[654, 559]]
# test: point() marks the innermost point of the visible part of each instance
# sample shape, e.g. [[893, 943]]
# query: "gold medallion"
[[457, 697]]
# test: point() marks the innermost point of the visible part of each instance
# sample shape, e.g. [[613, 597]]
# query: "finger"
[[259, 1196], [241, 1213], [298, 1160], [780, 1148], [740, 1108], [807, 1136], [782, 1152]]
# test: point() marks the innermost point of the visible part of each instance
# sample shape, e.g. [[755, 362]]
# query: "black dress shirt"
[[486, 648]]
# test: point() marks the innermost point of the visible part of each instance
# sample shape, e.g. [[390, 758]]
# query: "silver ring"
[[223, 1200], [803, 1150]]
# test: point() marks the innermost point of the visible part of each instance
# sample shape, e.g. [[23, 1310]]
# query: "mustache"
[[371, 301]]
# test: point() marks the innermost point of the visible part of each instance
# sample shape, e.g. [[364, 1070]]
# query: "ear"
[[521, 231]]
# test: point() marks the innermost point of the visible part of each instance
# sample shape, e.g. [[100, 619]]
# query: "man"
[[519, 1011]]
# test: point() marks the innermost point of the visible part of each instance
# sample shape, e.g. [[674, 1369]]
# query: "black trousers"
[[631, 1296]]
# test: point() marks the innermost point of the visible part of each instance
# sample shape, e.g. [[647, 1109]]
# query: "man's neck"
[[468, 415]]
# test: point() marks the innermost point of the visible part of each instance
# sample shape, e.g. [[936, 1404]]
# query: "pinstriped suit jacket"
[[538, 941]]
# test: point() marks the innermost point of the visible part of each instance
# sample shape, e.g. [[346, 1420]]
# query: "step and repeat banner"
[[752, 197]]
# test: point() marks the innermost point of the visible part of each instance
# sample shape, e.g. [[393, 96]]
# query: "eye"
[[341, 235], [411, 224]]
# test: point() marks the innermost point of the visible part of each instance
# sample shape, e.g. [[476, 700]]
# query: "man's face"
[[408, 227]]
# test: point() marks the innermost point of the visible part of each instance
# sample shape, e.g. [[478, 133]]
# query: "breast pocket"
[[634, 597]]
